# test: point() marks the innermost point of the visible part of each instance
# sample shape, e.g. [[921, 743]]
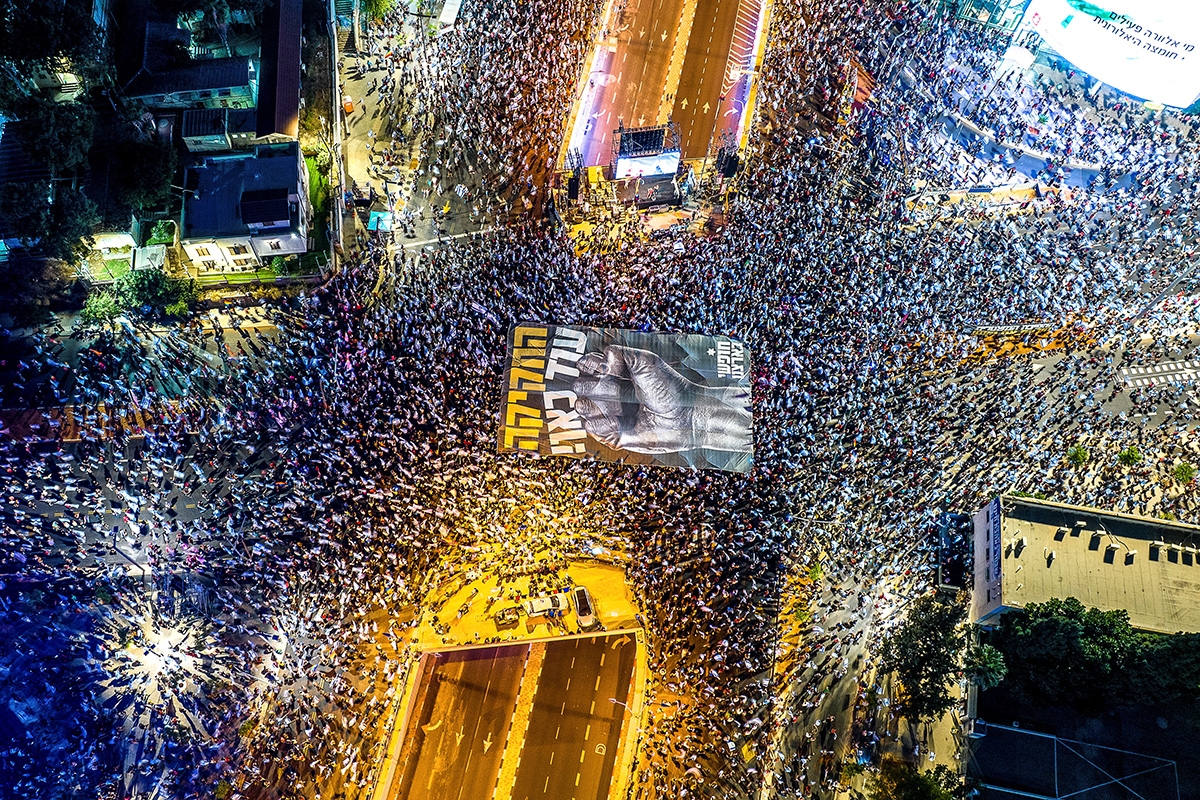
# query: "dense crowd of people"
[[229, 598]]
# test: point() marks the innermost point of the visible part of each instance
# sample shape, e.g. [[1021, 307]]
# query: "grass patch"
[[108, 269], [318, 195], [222, 278]]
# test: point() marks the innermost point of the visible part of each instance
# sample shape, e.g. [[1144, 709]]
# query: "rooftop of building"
[[224, 187], [1106, 559], [279, 88], [201, 75], [218, 121], [153, 58]]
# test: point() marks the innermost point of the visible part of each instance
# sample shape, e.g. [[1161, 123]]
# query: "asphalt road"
[[574, 727], [456, 739], [629, 84], [631, 81], [722, 31]]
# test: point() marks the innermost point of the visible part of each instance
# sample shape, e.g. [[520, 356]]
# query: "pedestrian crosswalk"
[[1158, 374]]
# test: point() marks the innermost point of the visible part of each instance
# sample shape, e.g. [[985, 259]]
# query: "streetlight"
[[615, 701]]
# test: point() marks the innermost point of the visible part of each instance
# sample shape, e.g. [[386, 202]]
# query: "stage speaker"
[[573, 187], [730, 168]]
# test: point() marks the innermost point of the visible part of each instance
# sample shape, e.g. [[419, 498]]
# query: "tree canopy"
[[985, 666], [1060, 652], [144, 169], [60, 230], [58, 135], [30, 284], [152, 289], [924, 653], [899, 780], [34, 33]]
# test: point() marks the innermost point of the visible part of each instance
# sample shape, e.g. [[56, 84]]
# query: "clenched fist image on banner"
[[646, 398], [638, 402]]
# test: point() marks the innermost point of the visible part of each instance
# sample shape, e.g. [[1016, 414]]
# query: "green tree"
[[30, 284], [101, 306], [60, 230], [74, 217], [377, 9], [1130, 456], [151, 288], [1078, 455], [1166, 670], [38, 34], [1059, 652], [145, 287], [924, 652], [58, 135], [25, 212], [145, 169], [162, 233], [1183, 472], [899, 780], [985, 666]]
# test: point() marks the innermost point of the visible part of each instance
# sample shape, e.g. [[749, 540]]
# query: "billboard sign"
[[1146, 48], [679, 400]]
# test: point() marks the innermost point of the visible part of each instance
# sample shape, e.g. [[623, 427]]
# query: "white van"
[[540, 606]]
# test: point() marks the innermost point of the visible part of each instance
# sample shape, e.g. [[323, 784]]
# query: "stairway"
[[346, 11]]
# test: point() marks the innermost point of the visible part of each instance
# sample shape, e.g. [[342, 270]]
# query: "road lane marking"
[[590, 711], [581, 755], [564, 709], [551, 758], [587, 733], [577, 774], [597, 684], [569, 682], [547, 785]]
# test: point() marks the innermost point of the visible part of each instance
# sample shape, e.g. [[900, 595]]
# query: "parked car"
[[585, 610]]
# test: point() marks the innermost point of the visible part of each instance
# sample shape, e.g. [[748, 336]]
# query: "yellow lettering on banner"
[[522, 423], [522, 336], [520, 354], [532, 380]]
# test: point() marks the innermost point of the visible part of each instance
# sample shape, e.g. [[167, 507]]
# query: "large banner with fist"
[[678, 400]]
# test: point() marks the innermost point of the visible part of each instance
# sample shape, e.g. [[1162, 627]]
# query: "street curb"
[[581, 82], [767, 11]]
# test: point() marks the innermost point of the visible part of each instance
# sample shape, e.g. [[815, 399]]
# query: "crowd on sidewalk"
[[348, 464]]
